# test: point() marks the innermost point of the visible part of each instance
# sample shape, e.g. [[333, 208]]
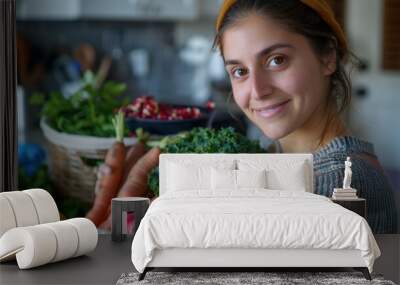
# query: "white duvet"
[[253, 218]]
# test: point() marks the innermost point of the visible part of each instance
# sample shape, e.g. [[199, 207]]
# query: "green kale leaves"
[[204, 140]]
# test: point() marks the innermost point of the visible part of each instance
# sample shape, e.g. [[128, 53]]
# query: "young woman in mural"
[[286, 62]]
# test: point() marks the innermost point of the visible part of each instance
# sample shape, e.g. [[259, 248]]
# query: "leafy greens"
[[203, 140], [88, 111]]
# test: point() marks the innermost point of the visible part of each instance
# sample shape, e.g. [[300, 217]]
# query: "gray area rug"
[[231, 278]]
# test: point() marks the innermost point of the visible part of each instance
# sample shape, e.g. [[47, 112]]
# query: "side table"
[[136, 205], [357, 205]]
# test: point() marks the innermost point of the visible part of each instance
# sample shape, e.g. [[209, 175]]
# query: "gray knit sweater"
[[368, 178]]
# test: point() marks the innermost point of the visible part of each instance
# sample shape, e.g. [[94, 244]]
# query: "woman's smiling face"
[[277, 79]]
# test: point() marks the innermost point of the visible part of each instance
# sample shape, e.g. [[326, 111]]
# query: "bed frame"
[[246, 259], [249, 259]]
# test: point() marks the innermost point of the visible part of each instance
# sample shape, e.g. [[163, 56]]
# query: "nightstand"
[[119, 209], [357, 205]]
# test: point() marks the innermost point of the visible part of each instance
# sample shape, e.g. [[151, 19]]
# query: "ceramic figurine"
[[347, 174]]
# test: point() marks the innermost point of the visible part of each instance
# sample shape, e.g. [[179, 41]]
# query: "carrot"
[[134, 153], [136, 183], [108, 185], [106, 225]]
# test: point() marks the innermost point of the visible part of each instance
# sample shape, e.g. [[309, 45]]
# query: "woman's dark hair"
[[301, 19]]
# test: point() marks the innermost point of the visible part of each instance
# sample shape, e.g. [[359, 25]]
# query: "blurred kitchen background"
[[163, 48]]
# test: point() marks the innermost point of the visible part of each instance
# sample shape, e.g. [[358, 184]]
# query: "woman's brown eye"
[[277, 61]]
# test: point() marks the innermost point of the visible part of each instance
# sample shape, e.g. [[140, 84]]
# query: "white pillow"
[[292, 179], [223, 179], [281, 174], [183, 177], [226, 179], [251, 178], [186, 174]]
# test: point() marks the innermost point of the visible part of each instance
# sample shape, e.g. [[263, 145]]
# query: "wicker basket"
[[67, 153]]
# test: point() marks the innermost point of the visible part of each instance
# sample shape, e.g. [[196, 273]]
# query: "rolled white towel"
[[40, 244]]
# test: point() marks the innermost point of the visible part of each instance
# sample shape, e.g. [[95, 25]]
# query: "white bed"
[[267, 216]]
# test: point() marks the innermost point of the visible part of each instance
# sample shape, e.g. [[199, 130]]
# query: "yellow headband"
[[319, 6]]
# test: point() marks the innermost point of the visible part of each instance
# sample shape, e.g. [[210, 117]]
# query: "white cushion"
[[185, 175], [23, 208], [223, 179], [87, 235], [288, 175], [26, 208], [7, 218], [67, 239], [40, 244], [32, 246], [251, 178], [227, 179], [293, 179], [45, 205]]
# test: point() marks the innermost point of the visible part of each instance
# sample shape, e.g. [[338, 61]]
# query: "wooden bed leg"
[[143, 274], [364, 271]]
